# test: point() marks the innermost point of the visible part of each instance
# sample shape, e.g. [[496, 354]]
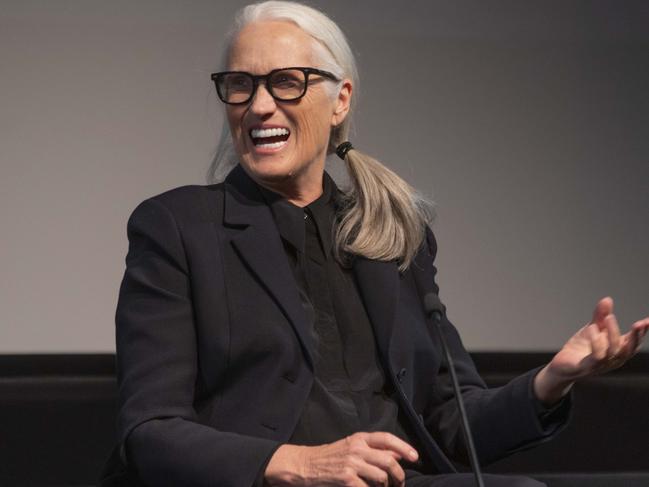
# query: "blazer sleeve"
[[503, 419], [158, 431]]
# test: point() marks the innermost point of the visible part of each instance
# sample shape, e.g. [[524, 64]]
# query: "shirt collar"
[[289, 218]]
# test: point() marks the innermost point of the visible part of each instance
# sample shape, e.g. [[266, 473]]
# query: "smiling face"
[[283, 145]]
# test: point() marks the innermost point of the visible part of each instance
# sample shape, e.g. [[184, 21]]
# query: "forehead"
[[262, 46]]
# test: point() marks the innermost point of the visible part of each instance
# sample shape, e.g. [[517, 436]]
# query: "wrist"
[[285, 467], [549, 387]]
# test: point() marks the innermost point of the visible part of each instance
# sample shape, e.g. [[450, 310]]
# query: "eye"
[[287, 79], [237, 82]]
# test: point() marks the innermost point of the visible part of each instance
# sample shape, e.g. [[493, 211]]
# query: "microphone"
[[435, 310]]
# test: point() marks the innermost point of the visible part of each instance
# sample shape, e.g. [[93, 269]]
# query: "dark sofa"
[[57, 422]]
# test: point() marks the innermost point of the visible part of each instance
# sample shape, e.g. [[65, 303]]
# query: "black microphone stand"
[[435, 309]]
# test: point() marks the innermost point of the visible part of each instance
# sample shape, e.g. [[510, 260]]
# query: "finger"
[[604, 307], [631, 342], [383, 460], [388, 441], [613, 331], [641, 325], [372, 475], [598, 342]]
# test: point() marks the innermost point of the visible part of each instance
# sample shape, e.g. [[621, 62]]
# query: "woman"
[[270, 329]]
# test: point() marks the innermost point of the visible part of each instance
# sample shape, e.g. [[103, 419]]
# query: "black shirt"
[[349, 391]]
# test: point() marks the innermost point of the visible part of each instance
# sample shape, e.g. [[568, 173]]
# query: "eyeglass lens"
[[287, 84]]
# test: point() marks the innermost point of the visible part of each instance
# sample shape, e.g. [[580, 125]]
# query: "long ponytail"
[[382, 216]]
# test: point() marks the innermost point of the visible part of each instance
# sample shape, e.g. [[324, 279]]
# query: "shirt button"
[[400, 375]]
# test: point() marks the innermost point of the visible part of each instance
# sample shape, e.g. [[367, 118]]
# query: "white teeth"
[[261, 133], [272, 145]]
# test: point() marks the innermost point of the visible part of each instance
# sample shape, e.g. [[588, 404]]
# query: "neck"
[[299, 191]]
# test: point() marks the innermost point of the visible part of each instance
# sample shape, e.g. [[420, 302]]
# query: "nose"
[[262, 103]]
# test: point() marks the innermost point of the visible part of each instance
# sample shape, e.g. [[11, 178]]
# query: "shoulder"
[[429, 242], [427, 248], [161, 222], [424, 259], [185, 204], [423, 268], [189, 198]]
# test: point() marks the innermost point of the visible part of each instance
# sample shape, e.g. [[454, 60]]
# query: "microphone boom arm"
[[435, 309]]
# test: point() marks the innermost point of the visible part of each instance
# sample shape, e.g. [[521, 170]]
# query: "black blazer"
[[214, 357]]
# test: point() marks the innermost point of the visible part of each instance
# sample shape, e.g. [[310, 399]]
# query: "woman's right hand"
[[359, 460]]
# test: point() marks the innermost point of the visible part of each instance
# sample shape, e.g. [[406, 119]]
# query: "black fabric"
[[414, 479], [215, 357], [552, 416], [349, 393]]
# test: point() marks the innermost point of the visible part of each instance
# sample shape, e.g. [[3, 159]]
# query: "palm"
[[598, 346], [576, 356]]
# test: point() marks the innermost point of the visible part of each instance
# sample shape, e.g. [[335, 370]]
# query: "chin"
[[270, 171]]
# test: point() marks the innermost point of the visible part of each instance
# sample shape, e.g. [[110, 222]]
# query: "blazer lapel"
[[259, 246], [379, 286]]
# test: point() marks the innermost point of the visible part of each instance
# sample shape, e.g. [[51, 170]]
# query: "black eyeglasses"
[[283, 84]]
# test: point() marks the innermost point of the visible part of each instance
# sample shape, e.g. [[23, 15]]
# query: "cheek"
[[233, 120], [315, 127]]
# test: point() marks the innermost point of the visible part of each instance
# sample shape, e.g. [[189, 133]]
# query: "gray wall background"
[[526, 121]]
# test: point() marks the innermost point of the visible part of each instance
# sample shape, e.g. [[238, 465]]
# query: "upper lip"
[[267, 126]]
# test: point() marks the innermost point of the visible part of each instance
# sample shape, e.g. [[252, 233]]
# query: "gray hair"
[[382, 217]]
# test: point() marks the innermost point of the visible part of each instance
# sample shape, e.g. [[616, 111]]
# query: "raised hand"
[[596, 348], [359, 460]]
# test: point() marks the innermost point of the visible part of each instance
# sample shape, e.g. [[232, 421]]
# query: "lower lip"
[[265, 149]]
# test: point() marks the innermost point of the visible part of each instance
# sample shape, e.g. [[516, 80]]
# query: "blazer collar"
[[259, 245]]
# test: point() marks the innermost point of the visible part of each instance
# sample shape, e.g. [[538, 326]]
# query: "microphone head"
[[432, 304]]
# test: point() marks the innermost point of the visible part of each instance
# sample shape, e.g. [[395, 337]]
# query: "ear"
[[343, 102]]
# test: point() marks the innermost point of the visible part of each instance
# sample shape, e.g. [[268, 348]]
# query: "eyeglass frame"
[[256, 78]]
